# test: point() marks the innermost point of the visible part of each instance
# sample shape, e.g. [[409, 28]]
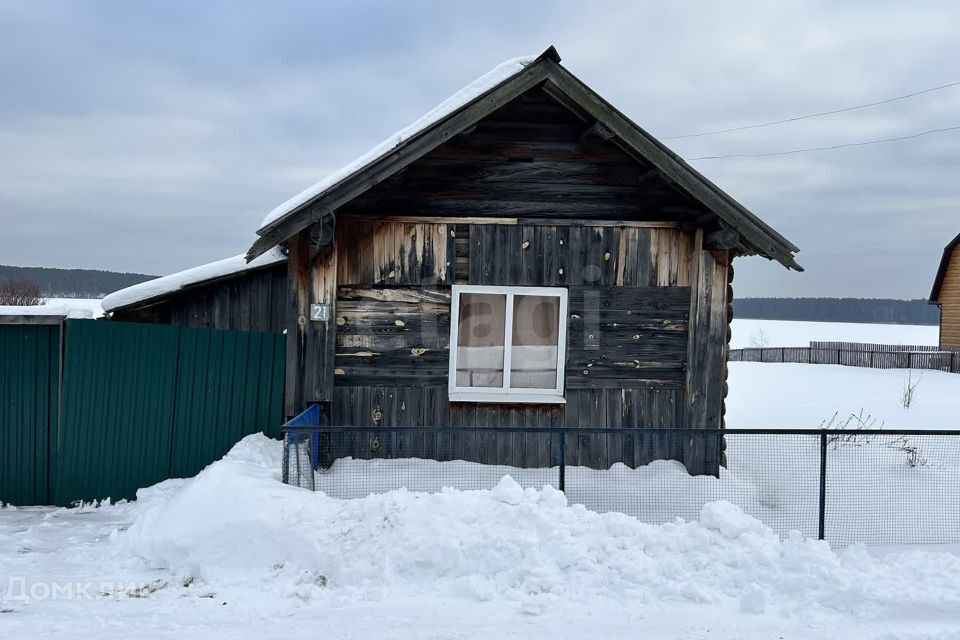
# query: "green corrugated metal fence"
[[139, 403], [29, 377], [116, 409], [230, 384]]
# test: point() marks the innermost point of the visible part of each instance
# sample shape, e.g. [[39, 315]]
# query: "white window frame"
[[505, 393]]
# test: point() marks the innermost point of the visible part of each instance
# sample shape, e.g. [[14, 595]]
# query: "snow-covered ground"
[[235, 553], [67, 307], [791, 333], [800, 396]]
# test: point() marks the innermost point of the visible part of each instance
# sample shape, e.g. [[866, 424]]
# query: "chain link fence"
[[869, 486]]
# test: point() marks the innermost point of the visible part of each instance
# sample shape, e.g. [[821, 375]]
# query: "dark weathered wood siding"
[[255, 300], [629, 341], [628, 310], [386, 406], [532, 158]]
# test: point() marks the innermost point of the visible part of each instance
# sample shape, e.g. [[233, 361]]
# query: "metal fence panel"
[[29, 381], [117, 408], [227, 388], [142, 403], [887, 488]]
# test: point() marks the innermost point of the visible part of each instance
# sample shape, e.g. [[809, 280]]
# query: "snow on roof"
[[176, 281], [60, 307], [475, 89]]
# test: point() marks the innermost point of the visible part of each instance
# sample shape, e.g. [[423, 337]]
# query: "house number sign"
[[320, 312]]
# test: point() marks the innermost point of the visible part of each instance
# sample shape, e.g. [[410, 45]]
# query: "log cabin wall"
[[628, 309], [630, 301]]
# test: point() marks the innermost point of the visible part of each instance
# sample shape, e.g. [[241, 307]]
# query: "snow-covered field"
[[235, 553], [807, 396], [791, 333], [804, 396]]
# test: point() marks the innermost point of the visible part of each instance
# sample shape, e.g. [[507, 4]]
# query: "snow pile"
[[64, 307], [175, 281], [499, 74], [236, 524]]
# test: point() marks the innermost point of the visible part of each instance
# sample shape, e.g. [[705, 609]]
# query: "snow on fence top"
[[175, 281], [60, 307], [475, 89]]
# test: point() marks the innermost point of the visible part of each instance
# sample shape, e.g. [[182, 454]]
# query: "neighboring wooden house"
[[946, 294], [580, 269]]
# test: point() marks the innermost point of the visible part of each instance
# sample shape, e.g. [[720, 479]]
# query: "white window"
[[507, 344]]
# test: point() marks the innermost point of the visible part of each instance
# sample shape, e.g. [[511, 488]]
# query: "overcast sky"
[[154, 136]]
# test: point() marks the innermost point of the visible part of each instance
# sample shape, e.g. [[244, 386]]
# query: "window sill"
[[507, 398]]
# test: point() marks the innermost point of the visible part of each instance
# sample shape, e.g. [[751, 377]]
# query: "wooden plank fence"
[[871, 346], [857, 354]]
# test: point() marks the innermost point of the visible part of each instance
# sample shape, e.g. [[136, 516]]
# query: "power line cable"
[[813, 115], [836, 146]]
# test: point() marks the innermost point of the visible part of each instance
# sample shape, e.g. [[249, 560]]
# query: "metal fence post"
[[823, 485], [563, 460]]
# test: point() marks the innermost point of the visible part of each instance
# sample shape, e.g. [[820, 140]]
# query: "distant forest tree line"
[[71, 283], [874, 310]]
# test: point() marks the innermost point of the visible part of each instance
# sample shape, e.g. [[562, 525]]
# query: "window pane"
[[536, 338], [480, 338]]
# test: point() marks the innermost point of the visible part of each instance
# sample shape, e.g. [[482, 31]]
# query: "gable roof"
[[479, 99], [942, 269]]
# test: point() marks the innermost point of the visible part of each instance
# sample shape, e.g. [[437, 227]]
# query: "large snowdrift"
[[235, 523]]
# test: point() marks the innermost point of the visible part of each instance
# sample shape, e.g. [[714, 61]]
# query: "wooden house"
[[523, 255], [946, 294]]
